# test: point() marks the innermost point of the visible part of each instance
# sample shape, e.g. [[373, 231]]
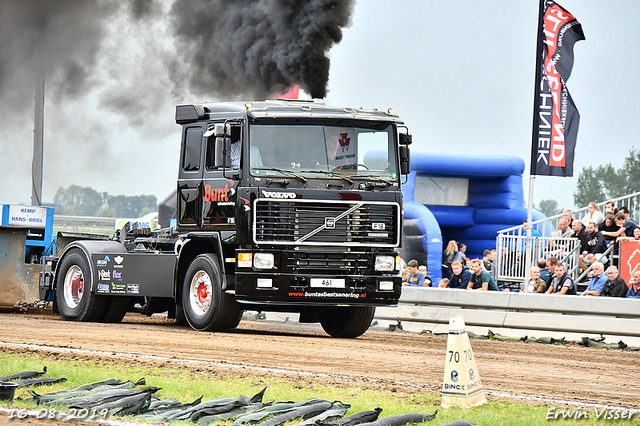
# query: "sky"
[[460, 73]]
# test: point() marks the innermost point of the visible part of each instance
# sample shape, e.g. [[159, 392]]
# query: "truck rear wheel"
[[348, 321], [75, 300], [206, 307]]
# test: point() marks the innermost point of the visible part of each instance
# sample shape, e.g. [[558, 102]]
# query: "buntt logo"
[[216, 194]]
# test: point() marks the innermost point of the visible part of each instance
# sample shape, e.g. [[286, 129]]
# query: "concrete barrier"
[[579, 314]]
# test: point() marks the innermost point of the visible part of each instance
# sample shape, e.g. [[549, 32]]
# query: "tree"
[[549, 207], [132, 206], [83, 201], [605, 182]]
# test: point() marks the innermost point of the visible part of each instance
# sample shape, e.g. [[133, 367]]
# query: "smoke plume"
[[257, 47]]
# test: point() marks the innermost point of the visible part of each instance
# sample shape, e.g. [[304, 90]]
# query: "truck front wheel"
[[347, 321], [75, 300], [206, 307]]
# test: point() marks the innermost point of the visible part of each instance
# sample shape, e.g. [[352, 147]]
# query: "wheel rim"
[[200, 293], [73, 286]]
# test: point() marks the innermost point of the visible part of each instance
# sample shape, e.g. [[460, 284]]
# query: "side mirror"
[[223, 152], [406, 138], [405, 160]]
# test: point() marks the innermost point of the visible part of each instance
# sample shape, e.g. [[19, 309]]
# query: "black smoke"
[[257, 47], [222, 48]]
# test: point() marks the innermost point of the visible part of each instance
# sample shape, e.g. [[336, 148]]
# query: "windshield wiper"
[[285, 172], [375, 178], [328, 173]]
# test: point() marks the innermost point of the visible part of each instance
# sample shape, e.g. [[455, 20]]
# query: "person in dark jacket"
[[615, 285], [562, 283], [460, 277]]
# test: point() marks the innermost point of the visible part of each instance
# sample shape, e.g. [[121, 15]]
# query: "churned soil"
[[380, 360]]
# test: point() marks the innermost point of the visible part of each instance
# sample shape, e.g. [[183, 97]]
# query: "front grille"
[[326, 223], [323, 263]]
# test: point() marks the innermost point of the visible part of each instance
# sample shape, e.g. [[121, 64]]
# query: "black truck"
[[286, 206]]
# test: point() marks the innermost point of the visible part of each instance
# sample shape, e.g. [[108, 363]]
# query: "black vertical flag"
[[555, 117]]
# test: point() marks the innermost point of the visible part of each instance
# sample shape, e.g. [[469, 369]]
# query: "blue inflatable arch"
[[463, 198]]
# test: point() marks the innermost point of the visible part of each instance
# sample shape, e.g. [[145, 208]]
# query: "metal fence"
[[511, 255], [91, 224]]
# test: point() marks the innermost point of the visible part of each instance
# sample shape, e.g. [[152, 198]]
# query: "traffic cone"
[[461, 385]]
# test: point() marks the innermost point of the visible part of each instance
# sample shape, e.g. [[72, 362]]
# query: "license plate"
[[327, 282]]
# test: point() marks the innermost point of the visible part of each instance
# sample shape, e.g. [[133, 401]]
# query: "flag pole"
[[534, 143]]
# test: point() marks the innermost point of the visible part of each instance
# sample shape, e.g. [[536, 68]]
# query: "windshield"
[[315, 150]]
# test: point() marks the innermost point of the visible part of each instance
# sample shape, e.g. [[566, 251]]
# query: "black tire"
[[347, 322], [75, 300], [116, 310], [206, 307]]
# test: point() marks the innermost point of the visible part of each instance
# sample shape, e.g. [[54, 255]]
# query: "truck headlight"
[[263, 260], [385, 263]]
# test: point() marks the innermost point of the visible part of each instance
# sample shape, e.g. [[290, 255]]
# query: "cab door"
[[190, 187]]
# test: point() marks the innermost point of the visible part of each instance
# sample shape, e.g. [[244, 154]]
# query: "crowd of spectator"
[[595, 231]]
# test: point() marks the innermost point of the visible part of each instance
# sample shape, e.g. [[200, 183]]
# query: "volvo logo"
[[271, 194]]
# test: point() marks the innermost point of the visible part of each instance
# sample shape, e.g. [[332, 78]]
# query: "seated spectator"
[[544, 272], [486, 261], [593, 214], [562, 283], [552, 262], [480, 279], [581, 234], [536, 284], [610, 208], [448, 256], [557, 248], [598, 279], [416, 278], [428, 282], [460, 277], [615, 285], [443, 283], [634, 288], [636, 235], [405, 276], [596, 246], [608, 228], [567, 214]]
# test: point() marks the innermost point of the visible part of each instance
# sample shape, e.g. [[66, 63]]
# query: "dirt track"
[[379, 359]]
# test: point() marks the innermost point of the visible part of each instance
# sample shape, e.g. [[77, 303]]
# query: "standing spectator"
[[593, 214], [562, 283], [448, 256], [544, 272], [626, 225], [416, 278], [492, 258], [481, 279], [634, 288], [428, 282], [460, 255], [460, 277], [608, 228], [536, 284], [598, 279], [615, 285]]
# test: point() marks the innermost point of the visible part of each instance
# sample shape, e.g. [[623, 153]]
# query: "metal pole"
[[529, 239], [38, 138]]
